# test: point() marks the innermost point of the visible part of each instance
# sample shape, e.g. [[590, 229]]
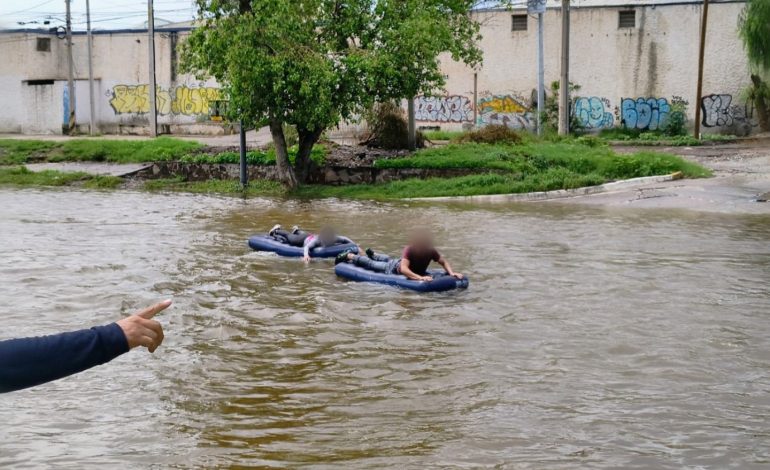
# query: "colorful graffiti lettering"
[[644, 113], [505, 110], [135, 99], [592, 113], [716, 110], [454, 108]]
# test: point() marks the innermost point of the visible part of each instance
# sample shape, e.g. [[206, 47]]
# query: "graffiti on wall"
[[453, 108], [505, 110], [594, 112], [716, 110], [135, 99], [644, 113], [719, 111]]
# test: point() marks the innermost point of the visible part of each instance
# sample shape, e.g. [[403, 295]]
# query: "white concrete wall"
[[121, 94], [656, 61]]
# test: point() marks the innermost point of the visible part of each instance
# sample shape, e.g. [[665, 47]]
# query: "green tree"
[[754, 28], [313, 63]]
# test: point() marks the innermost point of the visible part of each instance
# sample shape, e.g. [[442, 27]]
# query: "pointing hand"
[[141, 330]]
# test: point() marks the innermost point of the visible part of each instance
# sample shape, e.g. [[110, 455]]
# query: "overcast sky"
[[105, 14]]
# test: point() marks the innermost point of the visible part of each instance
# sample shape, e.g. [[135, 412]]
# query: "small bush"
[[496, 134], [388, 128]]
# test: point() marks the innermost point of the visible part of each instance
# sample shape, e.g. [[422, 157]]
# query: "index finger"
[[150, 312]]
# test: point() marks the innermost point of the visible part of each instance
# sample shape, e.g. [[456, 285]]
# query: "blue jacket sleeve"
[[27, 362]]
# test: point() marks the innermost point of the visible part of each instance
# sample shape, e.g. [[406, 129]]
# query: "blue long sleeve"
[[27, 362]]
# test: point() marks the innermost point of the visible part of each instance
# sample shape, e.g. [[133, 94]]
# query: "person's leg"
[[370, 264], [281, 235], [393, 266], [379, 257], [297, 238]]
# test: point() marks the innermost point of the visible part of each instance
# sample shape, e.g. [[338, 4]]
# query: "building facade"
[[633, 60], [34, 92]]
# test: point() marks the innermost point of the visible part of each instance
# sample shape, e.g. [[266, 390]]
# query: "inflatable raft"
[[441, 282], [268, 243]]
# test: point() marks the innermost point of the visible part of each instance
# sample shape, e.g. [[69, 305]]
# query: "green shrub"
[[494, 134]]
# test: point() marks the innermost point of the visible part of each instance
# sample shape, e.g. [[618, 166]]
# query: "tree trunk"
[[761, 104], [303, 163], [285, 171]]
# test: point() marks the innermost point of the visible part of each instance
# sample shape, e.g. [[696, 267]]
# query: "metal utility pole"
[[91, 125], [538, 7], [701, 55], [564, 83], [151, 40], [244, 169], [70, 73], [412, 138]]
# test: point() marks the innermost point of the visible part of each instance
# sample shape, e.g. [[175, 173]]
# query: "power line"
[[30, 8]]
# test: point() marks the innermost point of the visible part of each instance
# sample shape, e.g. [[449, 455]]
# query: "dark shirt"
[[26, 362], [419, 262]]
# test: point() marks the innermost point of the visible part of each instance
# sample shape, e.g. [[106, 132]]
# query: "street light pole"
[[91, 125], [538, 7], [564, 83], [151, 53]]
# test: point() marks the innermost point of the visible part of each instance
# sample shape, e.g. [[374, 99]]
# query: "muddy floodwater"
[[589, 338]]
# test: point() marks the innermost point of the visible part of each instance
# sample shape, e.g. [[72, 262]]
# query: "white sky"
[[105, 14]]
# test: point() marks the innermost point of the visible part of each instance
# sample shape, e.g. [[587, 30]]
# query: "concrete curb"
[[558, 194]]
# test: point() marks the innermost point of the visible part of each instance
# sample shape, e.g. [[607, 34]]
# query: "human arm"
[[406, 271], [312, 244], [448, 268], [27, 362]]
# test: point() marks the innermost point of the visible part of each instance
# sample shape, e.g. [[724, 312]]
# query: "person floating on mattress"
[[413, 263], [327, 236]]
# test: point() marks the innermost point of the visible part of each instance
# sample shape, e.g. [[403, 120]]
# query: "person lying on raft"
[[327, 236], [413, 263]]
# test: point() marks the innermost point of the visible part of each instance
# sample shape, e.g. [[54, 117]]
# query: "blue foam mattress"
[[267, 243], [441, 280]]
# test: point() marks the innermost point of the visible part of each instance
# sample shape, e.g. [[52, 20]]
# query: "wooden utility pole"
[[701, 56], [91, 124], [151, 53], [564, 82], [70, 73]]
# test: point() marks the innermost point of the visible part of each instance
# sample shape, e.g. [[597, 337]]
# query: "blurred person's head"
[[421, 239], [327, 235]]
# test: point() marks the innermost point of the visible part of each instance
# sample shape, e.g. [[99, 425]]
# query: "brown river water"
[[589, 338]]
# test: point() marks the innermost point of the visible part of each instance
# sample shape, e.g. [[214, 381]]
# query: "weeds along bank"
[[490, 161]]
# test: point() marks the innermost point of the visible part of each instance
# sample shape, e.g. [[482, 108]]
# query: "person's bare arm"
[[406, 271], [309, 246], [448, 268]]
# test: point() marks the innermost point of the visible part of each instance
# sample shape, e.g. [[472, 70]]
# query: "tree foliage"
[[313, 63], [754, 27]]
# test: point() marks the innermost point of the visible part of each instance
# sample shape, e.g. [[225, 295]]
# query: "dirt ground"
[[740, 184]]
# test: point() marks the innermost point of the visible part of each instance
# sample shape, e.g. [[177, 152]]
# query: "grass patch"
[[21, 176], [637, 137], [537, 157], [443, 135], [102, 182], [17, 151], [232, 187], [256, 157]]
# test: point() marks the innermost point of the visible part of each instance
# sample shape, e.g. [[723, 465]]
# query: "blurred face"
[[421, 240], [328, 236]]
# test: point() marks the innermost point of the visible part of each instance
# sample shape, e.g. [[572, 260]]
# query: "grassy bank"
[[20, 176], [496, 169], [19, 152]]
